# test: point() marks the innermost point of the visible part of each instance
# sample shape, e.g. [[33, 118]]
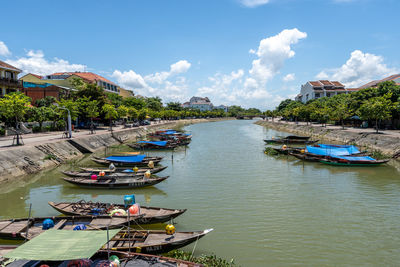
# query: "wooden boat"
[[119, 170], [153, 145], [287, 150], [290, 141], [106, 176], [114, 183], [305, 156], [153, 241], [145, 162], [101, 256], [150, 214], [350, 163], [24, 228], [178, 137]]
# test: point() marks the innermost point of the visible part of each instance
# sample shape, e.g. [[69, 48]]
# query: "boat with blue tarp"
[[132, 160], [158, 145]]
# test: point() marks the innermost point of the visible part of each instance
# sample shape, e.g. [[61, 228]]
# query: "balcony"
[[10, 82]]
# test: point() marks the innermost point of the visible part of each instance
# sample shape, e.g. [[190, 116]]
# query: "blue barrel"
[[80, 227], [129, 200], [47, 224]]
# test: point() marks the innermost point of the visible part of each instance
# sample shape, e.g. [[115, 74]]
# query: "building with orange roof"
[[321, 88], [65, 80], [9, 78], [374, 84]]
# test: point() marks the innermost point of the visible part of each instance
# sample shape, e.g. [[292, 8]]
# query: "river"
[[265, 211]]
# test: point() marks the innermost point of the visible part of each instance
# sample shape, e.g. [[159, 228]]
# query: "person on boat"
[[112, 166]]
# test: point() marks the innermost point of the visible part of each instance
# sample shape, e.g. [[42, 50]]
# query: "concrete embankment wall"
[[386, 144], [29, 159]]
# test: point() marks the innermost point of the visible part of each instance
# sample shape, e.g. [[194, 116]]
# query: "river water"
[[265, 211]]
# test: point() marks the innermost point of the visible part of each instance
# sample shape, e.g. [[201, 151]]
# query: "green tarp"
[[57, 245]]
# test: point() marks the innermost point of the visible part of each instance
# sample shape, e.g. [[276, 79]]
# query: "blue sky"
[[246, 52]]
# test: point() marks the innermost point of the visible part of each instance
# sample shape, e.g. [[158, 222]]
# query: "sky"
[[252, 53]]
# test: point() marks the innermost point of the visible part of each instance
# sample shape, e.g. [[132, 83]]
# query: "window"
[[328, 94], [317, 95], [306, 97]]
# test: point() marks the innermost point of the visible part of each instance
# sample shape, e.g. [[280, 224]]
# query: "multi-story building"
[[65, 79], [9, 78], [321, 88], [374, 84], [201, 103]]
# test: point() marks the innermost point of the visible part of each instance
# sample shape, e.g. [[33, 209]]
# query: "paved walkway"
[[47, 137], [394, 133]]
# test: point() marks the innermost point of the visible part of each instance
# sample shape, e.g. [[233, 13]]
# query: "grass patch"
[[270, 151], [49, 157], [206, 260]]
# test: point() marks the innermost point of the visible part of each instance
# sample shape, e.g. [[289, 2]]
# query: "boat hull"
[[116, 184], [151, 215]]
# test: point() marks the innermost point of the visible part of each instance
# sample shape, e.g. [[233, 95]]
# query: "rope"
[[195, 244]]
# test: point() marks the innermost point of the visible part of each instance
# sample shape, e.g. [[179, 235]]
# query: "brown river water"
[[265, 211]]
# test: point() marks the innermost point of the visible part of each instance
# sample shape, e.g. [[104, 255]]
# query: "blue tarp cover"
[[169, 132], [131, 159], [157, 143], [330, 150], [355, 158]]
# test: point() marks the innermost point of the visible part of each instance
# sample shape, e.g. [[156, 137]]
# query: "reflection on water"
[[266, 210]]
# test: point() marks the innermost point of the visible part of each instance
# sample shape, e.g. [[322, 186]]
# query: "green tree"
[[114, 99], [284, 104], [174, 106], [142, 114], [377, 108], [235, 111], [71, 106], [90, 90], [133, 113], [154, 103], [340, 108], [320, 110], [110, 113], [14, 106], [46, 101], [41, 114], [92, 111], [135, 102], [123, 112]]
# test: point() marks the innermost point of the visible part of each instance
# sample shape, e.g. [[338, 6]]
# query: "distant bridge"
[[250, 117]]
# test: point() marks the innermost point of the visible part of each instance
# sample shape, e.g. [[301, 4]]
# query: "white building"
[[201, 103], [321, 88]]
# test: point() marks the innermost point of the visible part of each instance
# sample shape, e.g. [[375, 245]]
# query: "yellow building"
[[125, 93], [9, 78]]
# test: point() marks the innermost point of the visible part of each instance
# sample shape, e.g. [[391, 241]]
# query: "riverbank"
[[49, 151], [387, 143]]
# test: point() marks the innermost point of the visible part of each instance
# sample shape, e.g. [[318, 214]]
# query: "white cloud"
[[359, 69], [165, 84], [272, 53], [35, 62], [251, 89], [289, 77], [129, 79], [253, 3], [4, 49], [179, 67]]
